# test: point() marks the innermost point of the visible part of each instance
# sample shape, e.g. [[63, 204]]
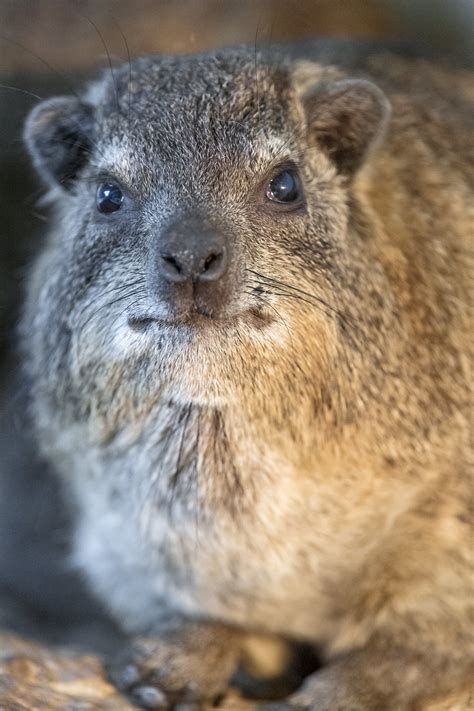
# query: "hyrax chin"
[[247, 341]]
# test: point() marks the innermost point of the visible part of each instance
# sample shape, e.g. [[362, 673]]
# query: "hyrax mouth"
[[199, 319]]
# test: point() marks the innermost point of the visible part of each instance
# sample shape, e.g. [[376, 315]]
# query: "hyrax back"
[[247, 338]]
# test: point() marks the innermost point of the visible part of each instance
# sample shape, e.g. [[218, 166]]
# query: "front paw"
[[163, 674], [147, 675]]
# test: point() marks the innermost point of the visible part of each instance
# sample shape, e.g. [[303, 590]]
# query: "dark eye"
[[285, 188], [109, 198]]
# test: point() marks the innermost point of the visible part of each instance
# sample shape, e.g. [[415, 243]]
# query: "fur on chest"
[[192, 516]]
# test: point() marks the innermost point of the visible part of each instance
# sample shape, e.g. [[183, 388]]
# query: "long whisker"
[[291, 291], [285, 286], [49, 66], [21, 91], [297, 297], [129, 69], [109, 58], [256, 65], [129, 285]]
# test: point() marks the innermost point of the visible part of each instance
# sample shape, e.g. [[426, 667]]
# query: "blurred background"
[[48, 46]]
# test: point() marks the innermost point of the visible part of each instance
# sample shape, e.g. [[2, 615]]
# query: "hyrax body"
[[247, 342]]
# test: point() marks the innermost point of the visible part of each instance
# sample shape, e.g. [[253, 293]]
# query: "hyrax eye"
[[285, 188], [109, 198]]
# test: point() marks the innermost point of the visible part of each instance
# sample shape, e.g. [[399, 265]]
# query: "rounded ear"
[[347, 118], [58, 136]]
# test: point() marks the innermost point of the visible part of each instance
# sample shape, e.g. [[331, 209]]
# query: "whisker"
[[109, 304], [312, 297], [49, 66], [128, 285], [298, 297], [129, 68], [266, 303], [283, 286], [290, 292], [21, 91], [256, 66], [104, 44], [272, 26]]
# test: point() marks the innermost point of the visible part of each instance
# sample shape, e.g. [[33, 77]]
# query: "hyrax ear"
[[347, 118], [58, 136]]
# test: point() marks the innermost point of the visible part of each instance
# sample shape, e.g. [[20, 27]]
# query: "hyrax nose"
[[198, 257]]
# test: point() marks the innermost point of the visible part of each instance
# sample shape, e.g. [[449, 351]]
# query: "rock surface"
[[34, 677]]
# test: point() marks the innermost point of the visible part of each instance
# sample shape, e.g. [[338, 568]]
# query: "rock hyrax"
[[247, 342]]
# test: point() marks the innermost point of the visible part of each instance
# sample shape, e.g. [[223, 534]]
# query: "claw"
[[148, 697], [128, 676]]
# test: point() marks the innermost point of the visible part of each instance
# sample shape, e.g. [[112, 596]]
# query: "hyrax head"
[[202, 208]]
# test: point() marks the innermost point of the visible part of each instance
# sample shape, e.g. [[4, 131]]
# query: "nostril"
[[172, 268], [172, 263], [212, 260], [213, 266]]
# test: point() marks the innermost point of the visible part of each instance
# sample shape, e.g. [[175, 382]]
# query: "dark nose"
[[207, 265], [197, 257]]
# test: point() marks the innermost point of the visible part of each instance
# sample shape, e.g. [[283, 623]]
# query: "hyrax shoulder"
[[248, 339]]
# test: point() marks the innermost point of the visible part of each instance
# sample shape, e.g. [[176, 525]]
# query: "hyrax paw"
[[155, 675], [153, 683]]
